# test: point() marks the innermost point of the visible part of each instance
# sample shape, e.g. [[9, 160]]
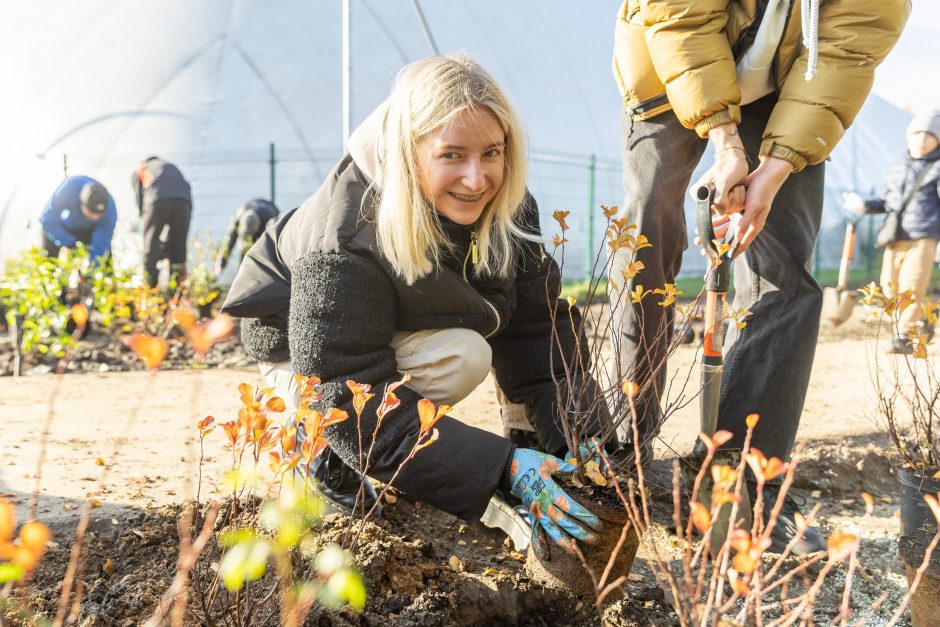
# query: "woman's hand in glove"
[[551, 510], [588, 451]]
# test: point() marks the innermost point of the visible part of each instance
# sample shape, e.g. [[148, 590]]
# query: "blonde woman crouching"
[[421, 254]]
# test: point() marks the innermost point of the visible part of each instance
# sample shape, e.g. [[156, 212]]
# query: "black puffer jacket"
[[921, 217], [317, 273]]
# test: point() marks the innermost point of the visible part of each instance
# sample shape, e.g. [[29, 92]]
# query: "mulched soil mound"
[[102, 352]]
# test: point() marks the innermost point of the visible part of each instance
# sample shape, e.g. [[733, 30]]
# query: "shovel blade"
[[838, 304]]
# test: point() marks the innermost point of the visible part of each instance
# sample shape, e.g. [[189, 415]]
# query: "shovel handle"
[[848, 250], [719, 276]]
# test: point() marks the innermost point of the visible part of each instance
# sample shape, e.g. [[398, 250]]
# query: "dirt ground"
[[128, 439]]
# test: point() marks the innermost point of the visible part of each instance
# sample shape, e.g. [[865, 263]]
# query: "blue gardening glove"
[[587, 450], [551, 510]]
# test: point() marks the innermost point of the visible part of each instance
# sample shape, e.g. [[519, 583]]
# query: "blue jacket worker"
[[80, 210]]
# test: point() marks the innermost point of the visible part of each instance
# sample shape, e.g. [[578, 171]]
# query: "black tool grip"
[[718, 278]]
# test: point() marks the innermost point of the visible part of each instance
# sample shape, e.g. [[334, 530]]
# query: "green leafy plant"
[[35, 289]]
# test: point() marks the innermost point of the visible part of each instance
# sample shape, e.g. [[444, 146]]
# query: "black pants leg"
[[173, 214], [768, 364], [659, 156]]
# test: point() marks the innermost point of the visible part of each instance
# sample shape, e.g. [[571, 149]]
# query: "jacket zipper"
[[473, 254]]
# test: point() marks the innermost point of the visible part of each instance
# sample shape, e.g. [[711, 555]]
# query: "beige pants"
[[445, 365], [907, 266]]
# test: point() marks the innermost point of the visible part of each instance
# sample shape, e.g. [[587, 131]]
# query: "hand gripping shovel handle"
[[716, 286]]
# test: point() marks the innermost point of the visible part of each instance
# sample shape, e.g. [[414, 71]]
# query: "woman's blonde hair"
[[427, 95]]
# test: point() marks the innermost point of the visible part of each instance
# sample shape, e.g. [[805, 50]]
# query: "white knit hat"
[[928, 122]]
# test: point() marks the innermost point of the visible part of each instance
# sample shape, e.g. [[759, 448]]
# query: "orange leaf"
[[712, 443], [361, 395], [720, 497], [700, 517], [724, 476], [99, 461], [752, 420], [841, 544], [869, 503], [34, 535], [274, 461], [333, 416], [231, 430], [184, 319], [205, 334], [292, 462], [774, 468], [24, 558], [630, 388], [741, 540], [756, 460], [7, 521], [247, 394], [746, 562], [609, 212], [151, 350], [560, 218], [721, 437], [79, 314], [428, 414], [319, 445], [276, 404], [205, 422], [738, 583]]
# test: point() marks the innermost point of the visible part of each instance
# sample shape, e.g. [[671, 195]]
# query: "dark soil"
[[425, 567]]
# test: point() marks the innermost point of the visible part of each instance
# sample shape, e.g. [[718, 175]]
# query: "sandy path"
[[157, 414]]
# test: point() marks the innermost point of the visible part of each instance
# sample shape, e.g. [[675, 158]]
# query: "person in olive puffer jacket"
[[421, 254], [908, 261], [771, 84]]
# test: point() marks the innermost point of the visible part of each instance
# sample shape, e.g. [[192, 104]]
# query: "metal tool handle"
[[848, 249]]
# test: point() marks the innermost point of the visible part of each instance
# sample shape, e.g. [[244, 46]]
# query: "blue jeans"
[[768, 363]]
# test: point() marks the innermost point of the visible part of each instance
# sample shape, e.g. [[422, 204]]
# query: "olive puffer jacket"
[[921, 217], [681, 54], [316, 290]]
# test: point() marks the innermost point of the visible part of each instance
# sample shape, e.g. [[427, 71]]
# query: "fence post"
[[589, 255], [870, 248], [272, 169], [65, 165]]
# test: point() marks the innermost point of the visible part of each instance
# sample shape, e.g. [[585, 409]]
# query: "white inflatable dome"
[[92, 87]]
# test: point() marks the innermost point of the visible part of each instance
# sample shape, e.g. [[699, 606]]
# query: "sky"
[[908, 78]]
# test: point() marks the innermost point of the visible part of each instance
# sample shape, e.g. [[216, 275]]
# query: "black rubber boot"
[[339, 486], [901, 346], [786, 528]]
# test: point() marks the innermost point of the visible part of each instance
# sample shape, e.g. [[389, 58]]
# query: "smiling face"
[[461, 165], [921, 144]]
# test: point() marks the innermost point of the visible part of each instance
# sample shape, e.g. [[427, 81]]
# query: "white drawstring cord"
[[809, 13]]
